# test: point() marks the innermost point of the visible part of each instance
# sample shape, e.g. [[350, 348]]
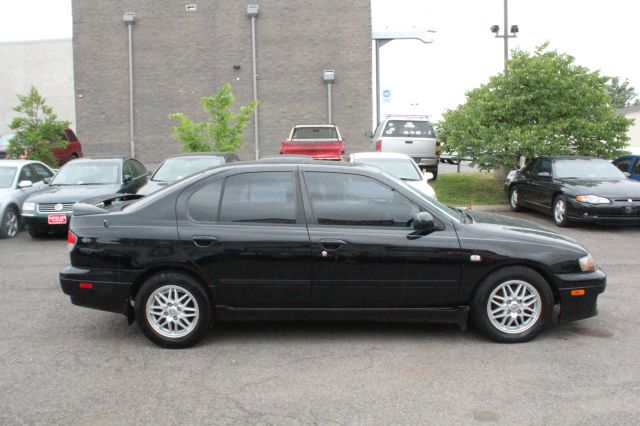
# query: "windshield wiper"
[[464, 213]]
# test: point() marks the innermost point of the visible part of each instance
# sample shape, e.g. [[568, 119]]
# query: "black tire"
[[169, 315], [10, 223], [499, 327], [514, 199], [37, 231], [559, 212]]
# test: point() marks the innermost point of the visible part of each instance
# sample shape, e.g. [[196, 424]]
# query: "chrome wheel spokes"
[[514, 306], [172, 311]]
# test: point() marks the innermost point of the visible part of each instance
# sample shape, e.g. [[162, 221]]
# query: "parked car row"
[[72, 151]]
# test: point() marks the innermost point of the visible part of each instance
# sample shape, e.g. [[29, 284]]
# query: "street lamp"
[[514, 31], [129, 18], [252, 12], [383, 37]]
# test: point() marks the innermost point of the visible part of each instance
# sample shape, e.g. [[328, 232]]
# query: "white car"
[[19, 179], [398, 165]]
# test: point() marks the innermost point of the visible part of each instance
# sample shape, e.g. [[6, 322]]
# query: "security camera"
[[495, 29], [514, 29]]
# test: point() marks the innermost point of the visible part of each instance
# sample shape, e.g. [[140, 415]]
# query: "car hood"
[[152, 186], [623, 188], [499, 226], [72, 193]]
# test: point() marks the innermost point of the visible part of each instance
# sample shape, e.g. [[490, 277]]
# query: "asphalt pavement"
[[63, 364]]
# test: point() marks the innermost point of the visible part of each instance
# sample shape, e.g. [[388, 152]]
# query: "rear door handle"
[[408, 141], [332, 245], [203, 240]]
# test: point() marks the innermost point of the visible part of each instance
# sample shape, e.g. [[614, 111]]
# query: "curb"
[[490, 208]]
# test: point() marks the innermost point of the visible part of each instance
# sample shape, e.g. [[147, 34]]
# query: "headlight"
[[593, 199], [587, 264], [28, 206]]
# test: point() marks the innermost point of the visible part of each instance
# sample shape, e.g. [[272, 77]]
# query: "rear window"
[[406, 128], [315, 133], [6, 176]]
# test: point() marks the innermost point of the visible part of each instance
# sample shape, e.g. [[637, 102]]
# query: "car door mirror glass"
[[25, 184], [126, 179], [368, 134], [46, 180], [423, 221]]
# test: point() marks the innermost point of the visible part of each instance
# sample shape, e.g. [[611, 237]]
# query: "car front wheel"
[[514, 199], [10, 223], [173, 310], [559, 212], [513, 305]]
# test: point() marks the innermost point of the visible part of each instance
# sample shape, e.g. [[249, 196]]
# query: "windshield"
[[178, 168], [315, 133], [398, 167], [585, 169], [401, 128], [6, 138], [88, 173], [6, 176]]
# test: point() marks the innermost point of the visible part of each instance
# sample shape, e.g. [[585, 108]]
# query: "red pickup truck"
[[72, 151], [320, 141]]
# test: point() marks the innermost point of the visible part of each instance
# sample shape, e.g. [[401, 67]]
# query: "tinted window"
[[267, 197], [543, 165], [26, 174], [586, 169], [345, 199], [138, 168], [403, 128], [178, 168], [398, 167], [315, 133], [203, 204], [41, 171], [622, 165], [127, 169], [6, 176], [70, 136]]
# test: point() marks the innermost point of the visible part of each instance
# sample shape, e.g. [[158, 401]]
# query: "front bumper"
[[579, 307], [110, 290], [42, 219], [618, 212]]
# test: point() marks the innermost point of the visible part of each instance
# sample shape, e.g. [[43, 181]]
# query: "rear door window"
[[623, 165], [27, 174], [636, 168], [406, 128], [264, 197]]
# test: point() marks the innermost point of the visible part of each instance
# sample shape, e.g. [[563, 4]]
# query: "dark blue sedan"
[[629, 165]]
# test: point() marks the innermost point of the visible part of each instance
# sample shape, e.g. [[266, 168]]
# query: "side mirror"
[[627, 174], [423, 221], [428, 175], [368, 134], [46, 180], [25, 184], [126, 179]]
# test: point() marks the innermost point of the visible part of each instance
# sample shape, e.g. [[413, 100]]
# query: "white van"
[[410, 135]]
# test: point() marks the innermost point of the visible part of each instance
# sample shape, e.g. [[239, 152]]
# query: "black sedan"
[[302, 239], [180, 166], [575, 189], [83, 178]]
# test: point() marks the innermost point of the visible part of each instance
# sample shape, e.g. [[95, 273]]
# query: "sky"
[[431, 78]]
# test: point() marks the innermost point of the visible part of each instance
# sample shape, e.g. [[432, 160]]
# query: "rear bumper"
[[579, 307], [427, 161], [110, 290]]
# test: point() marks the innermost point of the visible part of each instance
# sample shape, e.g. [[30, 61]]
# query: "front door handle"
[[203, 240], [332, 245]]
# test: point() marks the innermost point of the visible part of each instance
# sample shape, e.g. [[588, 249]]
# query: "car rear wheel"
[[173, 310], [559, 212], [514, 199], [513, 305], [37, 231], [10, 223]]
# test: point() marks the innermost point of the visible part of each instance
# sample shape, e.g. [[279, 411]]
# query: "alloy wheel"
[[172, 311], [11, 223], [559, 210], [514, 306]]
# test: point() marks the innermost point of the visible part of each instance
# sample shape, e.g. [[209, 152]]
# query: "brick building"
[[183, 51]]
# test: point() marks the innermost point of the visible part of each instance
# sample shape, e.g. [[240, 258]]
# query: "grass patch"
[[463, 189]]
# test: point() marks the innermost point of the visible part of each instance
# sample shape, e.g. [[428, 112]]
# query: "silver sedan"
[[18, 180]]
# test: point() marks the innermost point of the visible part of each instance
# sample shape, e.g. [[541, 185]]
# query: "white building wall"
[[47, 65], [634, 132]]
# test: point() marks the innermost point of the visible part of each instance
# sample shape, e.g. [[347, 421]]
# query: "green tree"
[[223, 130], [622, 94], [543, 105], [38, 130]]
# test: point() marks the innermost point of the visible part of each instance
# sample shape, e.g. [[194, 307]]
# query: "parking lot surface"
[[64, 364]]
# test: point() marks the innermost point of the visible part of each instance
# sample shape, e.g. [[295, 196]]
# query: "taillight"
[[72, 239], [378, 145]]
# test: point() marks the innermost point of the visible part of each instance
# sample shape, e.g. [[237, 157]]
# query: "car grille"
[[626, 200], [51, 208]]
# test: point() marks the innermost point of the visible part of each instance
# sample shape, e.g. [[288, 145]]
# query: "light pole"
[[514, 31], [252, 11], [129, 18], [329, 76], [385, 36]]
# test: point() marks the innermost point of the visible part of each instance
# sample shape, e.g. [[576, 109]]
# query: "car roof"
[[203, 154], [100, 158], [315, 125], [360, 155], [573, 157], [18, 162]]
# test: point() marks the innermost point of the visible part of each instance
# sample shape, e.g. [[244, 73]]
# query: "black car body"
[[575, 189], [78, 180], [180, 166], [291, 240]]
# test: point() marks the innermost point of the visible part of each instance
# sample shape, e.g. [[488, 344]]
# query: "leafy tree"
[[38, 131], [543, 105], [621, 93], [223, 131]]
